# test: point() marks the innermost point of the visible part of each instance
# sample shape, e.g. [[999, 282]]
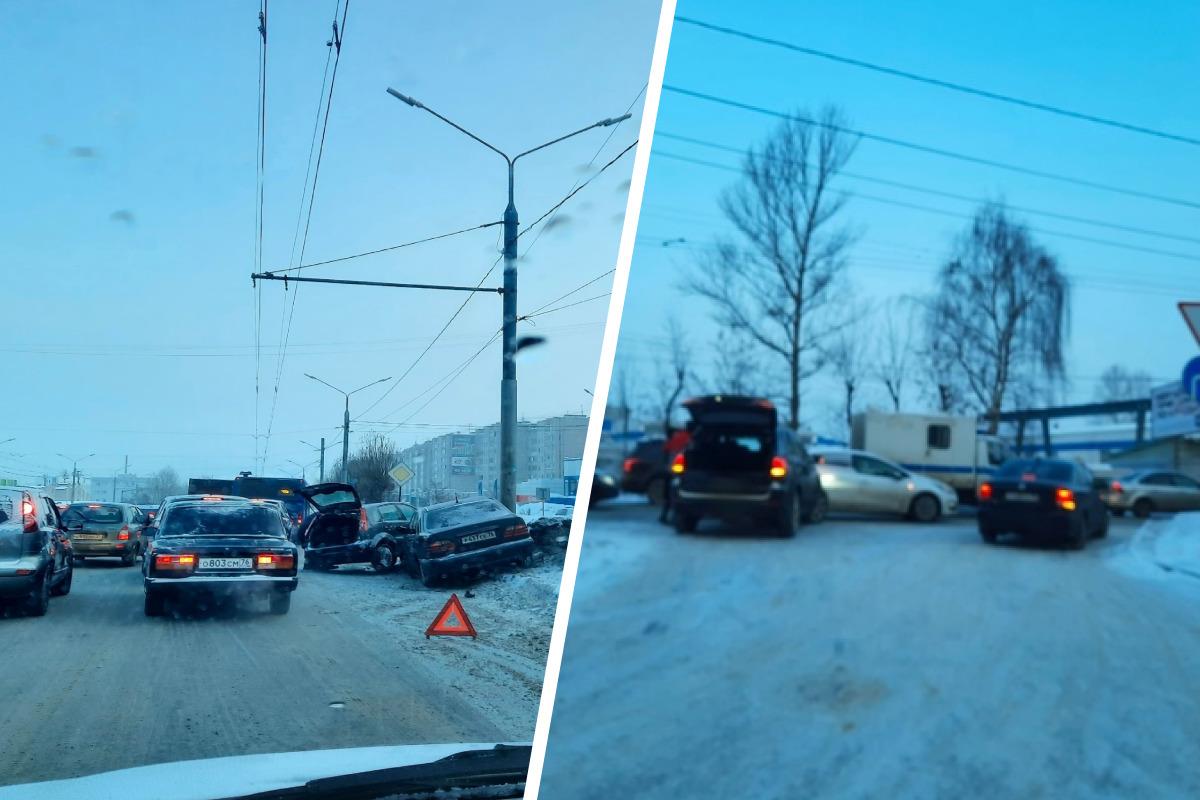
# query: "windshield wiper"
[[503, 765]]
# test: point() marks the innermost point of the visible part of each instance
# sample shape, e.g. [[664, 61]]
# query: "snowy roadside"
[[1165, 550], [501, 671]]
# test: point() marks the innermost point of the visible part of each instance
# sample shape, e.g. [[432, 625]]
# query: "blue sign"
[[1191, 379]]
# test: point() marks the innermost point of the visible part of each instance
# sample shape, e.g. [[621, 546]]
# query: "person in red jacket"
[[677, 442]]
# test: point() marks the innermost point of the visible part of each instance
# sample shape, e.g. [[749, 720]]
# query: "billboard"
[[1173, 411]]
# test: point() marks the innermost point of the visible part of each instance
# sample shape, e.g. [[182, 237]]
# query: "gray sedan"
[[857, 481], [1153, 490]]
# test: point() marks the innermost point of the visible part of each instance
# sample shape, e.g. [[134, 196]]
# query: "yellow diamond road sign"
[[401, 474]]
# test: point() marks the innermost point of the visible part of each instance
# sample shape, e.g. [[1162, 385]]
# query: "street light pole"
[[75, 471], [345, 421], [508, 377], [322, 449]]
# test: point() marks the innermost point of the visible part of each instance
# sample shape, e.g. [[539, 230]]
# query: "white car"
[[862, 482]]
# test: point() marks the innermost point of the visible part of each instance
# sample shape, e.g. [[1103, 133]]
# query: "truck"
[[210, 486], [949, 448]]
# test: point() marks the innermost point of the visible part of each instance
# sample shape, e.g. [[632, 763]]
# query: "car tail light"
[[275, 561], [123, 534], [985, 491], [779, 467], [363, 524], [1065, 499], [441, 548], [1117, 487], [28, 517], [516, 531], [181, 563], [629, 464], [678, 464]]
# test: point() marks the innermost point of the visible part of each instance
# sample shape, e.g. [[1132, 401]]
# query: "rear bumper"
[[727, 505], [506, 553], [1038, 523], [16, 585], [103, 548], [222, 584], [354, 553]]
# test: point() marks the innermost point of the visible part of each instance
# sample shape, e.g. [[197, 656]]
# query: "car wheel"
[[1102, 531], [685, 522], [154, 604], [129, 558], [281, 602], [1142, 508], [925, 508], [988, 533], [64, 586], [383, 558], [819, 510], [790, 515], [38, 602], [1079, 535], [654, 491], [428, 576]]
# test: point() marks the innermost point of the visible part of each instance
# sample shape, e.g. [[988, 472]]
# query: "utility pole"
[[74, 471], [321, 449], [346, 418]]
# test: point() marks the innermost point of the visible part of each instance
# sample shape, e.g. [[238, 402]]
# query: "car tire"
[[1079, 535], [383, 558], [130, 558], [685, 522], [1102, 531], [1143, 508], [654, 491], [790, 515], [819, 510], [427, 577], [153, 606], [63, 587], [281, 603], [925, 508], [38, 602], [989, 534]]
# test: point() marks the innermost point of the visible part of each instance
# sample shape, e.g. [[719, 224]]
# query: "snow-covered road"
[[871, 659]]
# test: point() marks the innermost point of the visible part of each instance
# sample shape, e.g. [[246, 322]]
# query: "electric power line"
[[939, 82], [938, 151]]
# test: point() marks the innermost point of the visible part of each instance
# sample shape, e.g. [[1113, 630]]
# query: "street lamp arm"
[[368, 386], [330, 385], [412, 101], [604, 123]]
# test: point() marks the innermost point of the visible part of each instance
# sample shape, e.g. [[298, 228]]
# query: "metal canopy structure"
[[1044, 415]]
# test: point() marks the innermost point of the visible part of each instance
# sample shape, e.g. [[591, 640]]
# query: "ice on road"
[[870, 659]]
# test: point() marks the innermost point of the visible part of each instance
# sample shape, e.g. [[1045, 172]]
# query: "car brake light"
[[182, 563], [516, 531], [779, 467], [985, 491], [123, 534], [363, 525], [440, 548], [678, 465], [629, 464], [1065, 499], [1117, 487], [275, 561]]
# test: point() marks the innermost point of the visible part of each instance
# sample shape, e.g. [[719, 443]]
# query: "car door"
[[59, 541], [1187, 493], [881, 486], [1159, 488]]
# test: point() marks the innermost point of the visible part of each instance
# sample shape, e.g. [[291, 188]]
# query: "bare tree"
[[846, 356], [736, 368], [164, 483], [368, 467], [894, 349], [674, 371], [1119, 383], [774, 283], [1001, 312]]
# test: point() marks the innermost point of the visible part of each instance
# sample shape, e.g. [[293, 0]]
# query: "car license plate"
[[479, 537], [226, 563], [88, 537], [1021, 497]]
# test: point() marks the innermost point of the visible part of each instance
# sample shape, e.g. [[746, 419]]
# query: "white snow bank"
[[531, 511], [1163, 549], [232, 776]]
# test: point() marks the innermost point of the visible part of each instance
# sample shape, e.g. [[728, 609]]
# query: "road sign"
[[1173, 411], [452, 620], [1191, 315], [401, 474], [1191, 378]]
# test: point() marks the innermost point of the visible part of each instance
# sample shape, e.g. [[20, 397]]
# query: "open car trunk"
[[333, 529], [732, 444]]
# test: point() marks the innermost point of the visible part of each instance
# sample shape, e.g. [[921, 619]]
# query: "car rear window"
[[223, 519], [730, 448], [1058, 471], [93, 513], [464, 514]]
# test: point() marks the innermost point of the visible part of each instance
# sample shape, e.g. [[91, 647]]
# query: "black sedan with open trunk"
[[219, 549], [1046, 499]]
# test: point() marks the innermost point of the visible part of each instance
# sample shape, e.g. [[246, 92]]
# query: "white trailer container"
[[948, 448]]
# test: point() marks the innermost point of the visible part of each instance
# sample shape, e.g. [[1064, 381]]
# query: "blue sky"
[[128, 226], [1139, 63]]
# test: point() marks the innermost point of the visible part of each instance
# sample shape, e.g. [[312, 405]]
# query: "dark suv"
[[35, 552], [645, 470], [740, 463]]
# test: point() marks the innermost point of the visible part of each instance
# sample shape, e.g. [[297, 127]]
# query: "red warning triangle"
[[452, 620]]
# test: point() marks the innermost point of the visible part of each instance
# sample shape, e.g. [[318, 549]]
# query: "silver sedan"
[[858, 481]]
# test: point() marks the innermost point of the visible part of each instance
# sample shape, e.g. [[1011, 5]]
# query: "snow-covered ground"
[[1166, 549], [869, 659], [501, 671]]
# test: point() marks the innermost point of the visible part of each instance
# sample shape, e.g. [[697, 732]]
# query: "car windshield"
[[222, 519], [463, 514], [95, 513], [1058, 471]]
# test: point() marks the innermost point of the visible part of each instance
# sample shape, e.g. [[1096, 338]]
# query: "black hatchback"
[[341, 530], [1047, 499], [741, 464]]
